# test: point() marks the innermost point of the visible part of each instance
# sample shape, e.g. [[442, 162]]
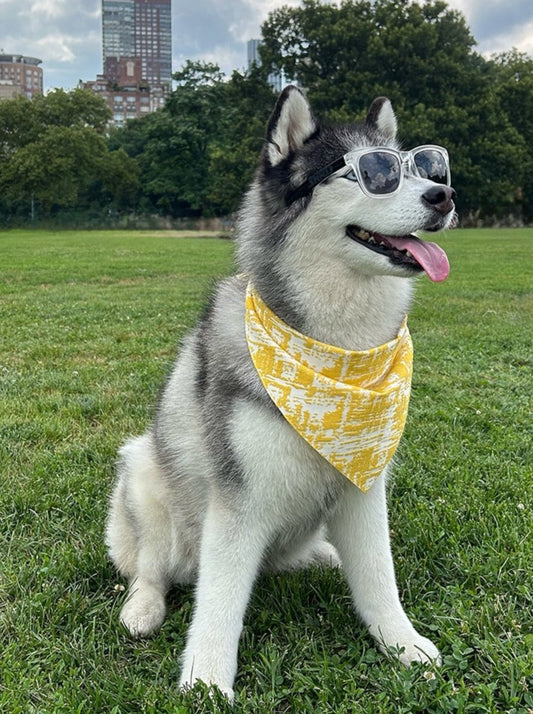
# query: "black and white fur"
[[221, 487]]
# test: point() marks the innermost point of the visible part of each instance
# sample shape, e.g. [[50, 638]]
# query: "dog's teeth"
[[408, 254], [365, 235], [371, 240]]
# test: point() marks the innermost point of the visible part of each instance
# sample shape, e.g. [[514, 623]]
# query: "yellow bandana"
[[349, 406]]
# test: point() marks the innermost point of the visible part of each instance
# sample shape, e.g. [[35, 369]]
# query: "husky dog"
[[221, 487]]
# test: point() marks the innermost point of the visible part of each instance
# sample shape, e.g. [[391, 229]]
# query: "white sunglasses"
[[380, 171]]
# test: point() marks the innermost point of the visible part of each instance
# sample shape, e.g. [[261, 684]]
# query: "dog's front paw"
[[407, 645], [143, 613], [419, 650], [188, 682]]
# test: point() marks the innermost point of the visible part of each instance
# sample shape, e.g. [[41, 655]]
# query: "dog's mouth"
[[409, 251]]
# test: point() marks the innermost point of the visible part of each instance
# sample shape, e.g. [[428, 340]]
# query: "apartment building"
[[136, 57], [20, 75]]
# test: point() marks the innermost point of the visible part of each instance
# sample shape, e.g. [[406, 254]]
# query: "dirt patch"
[[182, 234]]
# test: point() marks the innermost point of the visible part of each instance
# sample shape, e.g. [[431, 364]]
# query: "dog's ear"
[[290, 125], [381, 116]]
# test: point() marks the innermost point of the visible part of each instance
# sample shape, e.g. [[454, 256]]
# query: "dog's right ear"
[[381, 116], [290, 125]]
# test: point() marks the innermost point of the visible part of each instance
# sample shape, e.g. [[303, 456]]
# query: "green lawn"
[[89, 323]]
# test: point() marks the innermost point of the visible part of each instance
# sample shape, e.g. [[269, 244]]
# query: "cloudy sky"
[[66, 34]]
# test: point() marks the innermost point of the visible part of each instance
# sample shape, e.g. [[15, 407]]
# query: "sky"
[[66, 34]]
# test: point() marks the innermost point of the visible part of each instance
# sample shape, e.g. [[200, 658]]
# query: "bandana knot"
[[349, 406]]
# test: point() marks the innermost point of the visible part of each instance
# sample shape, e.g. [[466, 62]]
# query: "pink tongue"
[[429, 255]]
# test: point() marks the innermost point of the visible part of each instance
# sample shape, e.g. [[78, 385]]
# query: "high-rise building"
[[118, 36], [153, 40], [275, 79], [139, 29], [137, 57], [20, 75], [252, 52]]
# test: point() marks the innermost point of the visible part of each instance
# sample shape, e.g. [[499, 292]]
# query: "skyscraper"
[[153, 40], [275, 79], [137, 58], [252, 52], [118, 37], [139, 29]]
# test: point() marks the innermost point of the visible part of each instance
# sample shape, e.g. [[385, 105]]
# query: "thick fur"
[[221, 487]]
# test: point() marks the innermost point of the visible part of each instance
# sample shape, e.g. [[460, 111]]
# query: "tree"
[[197, 155], [512, 74], [53, 154], [116, 184], [172, 158], [171, 146], [55, 168], [80, 107], [23, 121], [18, 126], [347, 54], [235, 147]]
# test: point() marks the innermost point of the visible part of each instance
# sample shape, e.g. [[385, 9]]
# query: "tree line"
[[196, 156], [54, 156]]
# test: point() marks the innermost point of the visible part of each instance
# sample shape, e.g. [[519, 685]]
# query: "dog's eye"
[[350, 175]]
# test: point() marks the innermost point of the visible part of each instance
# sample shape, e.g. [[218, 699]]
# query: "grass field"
[[88, 326]]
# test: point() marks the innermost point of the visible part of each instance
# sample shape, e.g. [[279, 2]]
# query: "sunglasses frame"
[[350, 160]]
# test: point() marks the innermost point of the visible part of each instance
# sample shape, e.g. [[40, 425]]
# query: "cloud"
[[521, 38], [217, 30], [247, 24], [498, 25], [48, 8], [225, 29], [64, 34], [56, 48]]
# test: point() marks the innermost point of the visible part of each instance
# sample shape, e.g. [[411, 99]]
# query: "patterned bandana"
[[349, 406]]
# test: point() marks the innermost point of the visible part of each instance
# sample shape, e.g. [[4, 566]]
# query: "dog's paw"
[[419, 650], [407, 645], [187, 683], [143, 613], [317, 551], [326, 555]]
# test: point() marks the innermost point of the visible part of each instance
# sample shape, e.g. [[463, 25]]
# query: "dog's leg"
[[359, 530], [310, 550], [139, 536], [232, 547]]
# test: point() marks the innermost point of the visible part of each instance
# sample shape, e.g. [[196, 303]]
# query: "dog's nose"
[[440, 198]]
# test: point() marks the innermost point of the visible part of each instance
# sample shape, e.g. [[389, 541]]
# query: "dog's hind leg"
[[310, 550], [359, 530], [139, 536]]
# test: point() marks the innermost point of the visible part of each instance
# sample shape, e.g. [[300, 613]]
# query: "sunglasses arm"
[[313, 180]]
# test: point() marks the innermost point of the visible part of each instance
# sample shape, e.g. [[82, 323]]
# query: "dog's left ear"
[[381, 116], [290, 125]]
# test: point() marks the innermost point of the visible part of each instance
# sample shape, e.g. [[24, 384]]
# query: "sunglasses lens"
[[380, 172], [433, 165]]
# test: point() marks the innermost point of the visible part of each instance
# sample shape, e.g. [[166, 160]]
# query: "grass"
[[88, 327]]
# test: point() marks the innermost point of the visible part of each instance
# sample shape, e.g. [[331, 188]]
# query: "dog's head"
[[353, 189]]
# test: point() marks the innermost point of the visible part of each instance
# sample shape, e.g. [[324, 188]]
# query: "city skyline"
[[66, 34]]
